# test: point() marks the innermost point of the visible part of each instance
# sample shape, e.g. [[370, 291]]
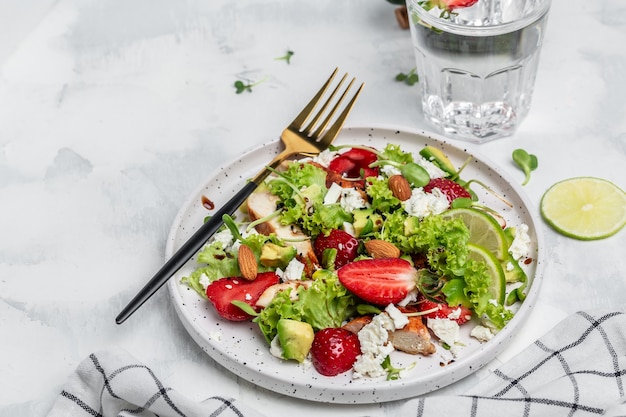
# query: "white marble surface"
[[112, 112]]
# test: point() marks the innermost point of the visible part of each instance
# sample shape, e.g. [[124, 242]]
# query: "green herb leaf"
[[527, 162], [286, 57], [411, 78]]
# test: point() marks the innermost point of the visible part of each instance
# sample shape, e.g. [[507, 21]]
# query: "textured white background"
[[113, 111]]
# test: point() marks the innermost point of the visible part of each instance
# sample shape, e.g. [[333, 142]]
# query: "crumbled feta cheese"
[[275, 348], [293, 271], [333, 194], [225, 237], [520, 247], [324, 157], [351, 200], [509, 266], [455, 314], [433, 170], [481, 333], [389, 170], [374, 347], [217, 336], [349, 229], [204, 281], [446, 330], [422, 204], [399, 320]]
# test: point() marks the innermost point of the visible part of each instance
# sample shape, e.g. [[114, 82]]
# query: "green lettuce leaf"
[[326, 303]]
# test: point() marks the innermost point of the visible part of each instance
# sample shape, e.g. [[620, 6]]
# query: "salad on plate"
[[344, 258]]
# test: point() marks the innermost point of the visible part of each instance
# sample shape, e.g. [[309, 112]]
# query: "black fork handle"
[[186, 251]]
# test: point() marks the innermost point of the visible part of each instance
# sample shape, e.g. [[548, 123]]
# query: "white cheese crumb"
[[446, 330], [410, 297], [481, 333], [351, 200], [333, 194], [324, 157], [275, 348], [399, 320], [422, 204], [204, 281], [389, 170], [349, 229], [217, 336], [374, 347], [520, 247], [225, 237], [455, 314], [293, 271], [433, 170]]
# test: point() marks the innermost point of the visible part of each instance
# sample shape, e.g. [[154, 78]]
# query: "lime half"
[[585, 208], [484, 230], [494, 268]]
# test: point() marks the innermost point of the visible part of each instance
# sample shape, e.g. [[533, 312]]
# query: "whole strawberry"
[[344, 242], [334, 351], [452, 190]]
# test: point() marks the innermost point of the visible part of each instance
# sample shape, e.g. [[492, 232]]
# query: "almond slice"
[[381, 249], [247, 263]]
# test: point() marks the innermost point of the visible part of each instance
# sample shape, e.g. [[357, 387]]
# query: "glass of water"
[[477, 65]]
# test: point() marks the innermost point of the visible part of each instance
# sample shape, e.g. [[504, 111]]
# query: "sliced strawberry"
[[379, 281], [459, 314], [344, 242], [224, 291], [334, 351], [449, 188], [354, 164]]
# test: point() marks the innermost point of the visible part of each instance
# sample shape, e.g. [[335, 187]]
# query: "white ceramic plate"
[[241, 348]]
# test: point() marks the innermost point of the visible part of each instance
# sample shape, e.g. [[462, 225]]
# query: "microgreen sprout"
[[286, 57], [409, 79], [241, 86], [527, 162]]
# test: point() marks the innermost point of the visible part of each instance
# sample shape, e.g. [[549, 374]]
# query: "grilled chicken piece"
[[414, 338], [263, 203], [269, 294]]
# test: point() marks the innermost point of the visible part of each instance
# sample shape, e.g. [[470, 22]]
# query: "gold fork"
[[299, 138]]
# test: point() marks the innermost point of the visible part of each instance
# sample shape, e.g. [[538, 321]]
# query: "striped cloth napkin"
[[576, 369]]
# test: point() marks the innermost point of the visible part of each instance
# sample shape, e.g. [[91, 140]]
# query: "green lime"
[[494, 268], [585, 208], [484, 230]]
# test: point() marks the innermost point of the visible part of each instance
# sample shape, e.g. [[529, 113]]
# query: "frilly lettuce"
[[326, 303]]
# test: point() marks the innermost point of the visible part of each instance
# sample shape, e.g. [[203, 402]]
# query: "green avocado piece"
[[366, 221], [437, 157], [513, 272], [276, 256], [295, 337]]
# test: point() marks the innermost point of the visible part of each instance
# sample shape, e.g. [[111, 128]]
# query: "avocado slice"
[[366, 221], [295, 337], [276, 256], [437, 157]]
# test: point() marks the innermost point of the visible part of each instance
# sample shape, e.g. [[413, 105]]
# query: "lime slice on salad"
[[584, 208], [484, 230], [494, 268]]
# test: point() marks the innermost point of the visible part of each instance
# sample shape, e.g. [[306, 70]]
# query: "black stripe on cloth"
[[617, 371], [547, 401], [162, 391], [80, 403], [226, 404]]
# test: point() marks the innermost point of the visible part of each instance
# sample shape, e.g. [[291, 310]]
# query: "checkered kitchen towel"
[[577, 369]]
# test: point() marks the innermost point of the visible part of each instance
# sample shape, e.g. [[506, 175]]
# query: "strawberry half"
[[459, 314], [224, 291], [449, 188], [334, 351], [344, 242], [354, 164], [379, 281]]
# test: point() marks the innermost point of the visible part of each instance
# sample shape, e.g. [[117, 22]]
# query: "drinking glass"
[[477, 65]]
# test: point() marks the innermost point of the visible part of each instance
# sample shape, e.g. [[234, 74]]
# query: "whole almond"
[[400, 187], [381, 249], [247, 263]]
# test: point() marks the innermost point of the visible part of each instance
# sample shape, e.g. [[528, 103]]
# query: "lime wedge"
[[484, 230], [584, 208], [494, 268]]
